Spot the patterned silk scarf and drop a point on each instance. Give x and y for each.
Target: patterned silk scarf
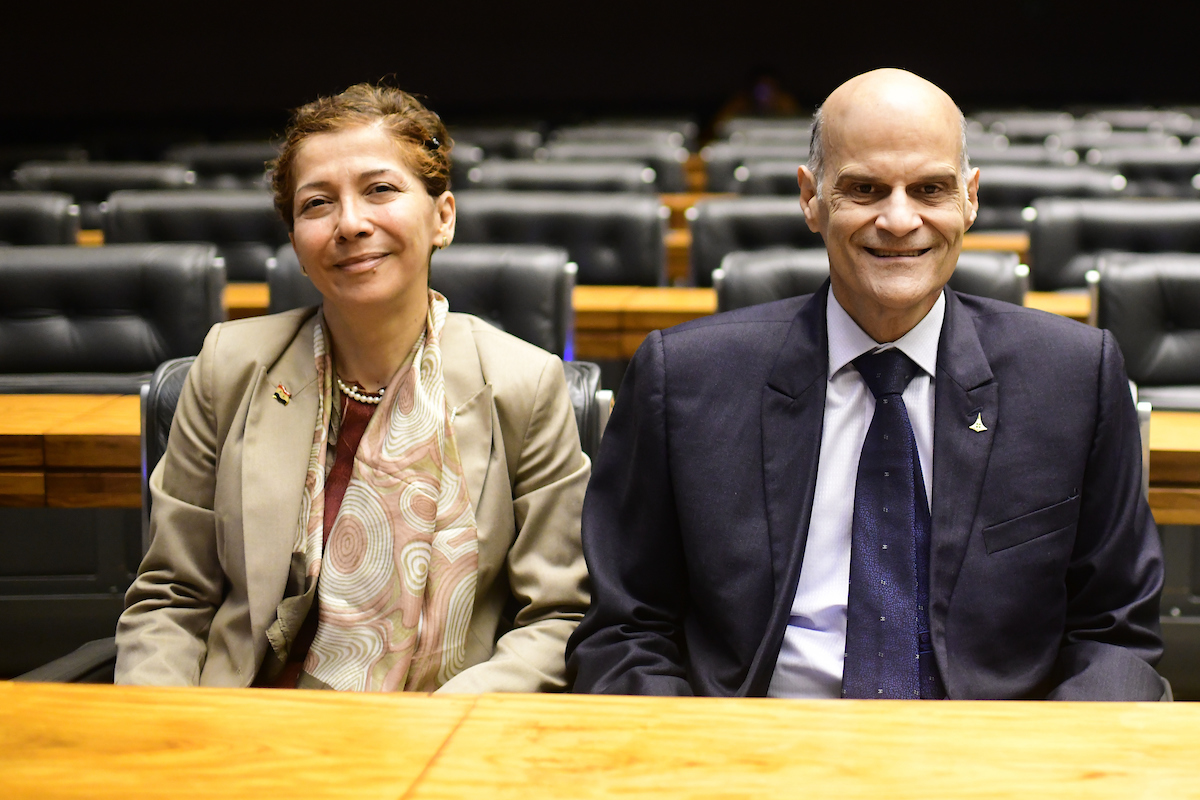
(397, 578)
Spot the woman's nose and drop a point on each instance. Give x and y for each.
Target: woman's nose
(354, 220)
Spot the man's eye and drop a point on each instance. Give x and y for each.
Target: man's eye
(863, 188)
(931, 188)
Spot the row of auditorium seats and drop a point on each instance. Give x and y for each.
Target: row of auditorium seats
(614, 238)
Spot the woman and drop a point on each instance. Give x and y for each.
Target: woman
(413, 474)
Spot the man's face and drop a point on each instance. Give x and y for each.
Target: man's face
(892, 210)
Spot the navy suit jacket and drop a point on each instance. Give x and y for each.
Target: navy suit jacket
(1045, 565)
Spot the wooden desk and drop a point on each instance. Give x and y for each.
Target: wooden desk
(118, 742)
(70, 451)
(245, 300)
(1175, 467)
(612, 321)
(1008, 241)
(1076, 305)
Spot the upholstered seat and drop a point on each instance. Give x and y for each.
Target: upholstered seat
(724, 226)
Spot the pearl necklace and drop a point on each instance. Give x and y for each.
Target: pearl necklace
(371, 400)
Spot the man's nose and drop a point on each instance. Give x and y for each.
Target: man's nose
(354, 219)
(898, 214)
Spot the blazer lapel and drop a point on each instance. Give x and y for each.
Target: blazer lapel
(278, 441)
(793, 407)
(471, 399)
(966, 415)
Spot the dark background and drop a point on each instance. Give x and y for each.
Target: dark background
(163, 71)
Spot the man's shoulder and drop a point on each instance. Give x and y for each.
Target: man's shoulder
(1004, 326)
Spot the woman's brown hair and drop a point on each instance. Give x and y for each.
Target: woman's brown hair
(419, 132)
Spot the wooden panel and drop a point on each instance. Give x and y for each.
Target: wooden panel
(124, 743)
(115, 415)
(1174, 448)
(243, 300)
(22, 489)
(1175, 506)
(679, 247)
(21, 450)
(600, 307)
(695, 170)
(35, 414)
(1075, 305)
(540, 746)
(1013, 241)
(94, 450)
(94, 489)
(631, 341)
(593, 345)
(89, 238)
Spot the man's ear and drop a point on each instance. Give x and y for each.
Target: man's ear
(972, 197)
(810, 204)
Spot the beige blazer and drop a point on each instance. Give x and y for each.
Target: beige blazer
(227, 495)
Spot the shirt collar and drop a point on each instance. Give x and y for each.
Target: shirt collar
(847, 341)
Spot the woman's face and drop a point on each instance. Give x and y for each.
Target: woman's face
(364, 224)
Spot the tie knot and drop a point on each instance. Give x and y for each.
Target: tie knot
(886, 371)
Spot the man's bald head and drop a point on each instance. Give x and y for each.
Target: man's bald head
(889, 96)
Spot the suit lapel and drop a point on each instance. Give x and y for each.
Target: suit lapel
(965, 392)
(793, 407)
(277, 444)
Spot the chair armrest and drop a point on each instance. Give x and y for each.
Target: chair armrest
(91, 663)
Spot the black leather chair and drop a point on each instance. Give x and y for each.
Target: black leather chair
(14, 155)
(760, 127)
(723, 159)
(90, 182)
(1065, 235)
(1153, 172)
(614, 238)
(1161, 120)
(242, 223)
(561, 176)
(750, 278)
(38, 218)
(100, 320)
(666, 160)
(1083, 140)
(618, 132)
(1028, 154)
(522, 289)
(1029, 126)
(499, 141)
(95, 661)
(1151, 303)
(1005, 190)
(464, 158)
(724, 226)
(768, 177)
(226, 165)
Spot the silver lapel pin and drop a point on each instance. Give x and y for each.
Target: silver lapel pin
(978, 425)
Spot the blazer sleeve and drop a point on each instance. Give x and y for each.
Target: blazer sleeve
(1111, 637)
(161, 637)
(545, 567)
(631, 641)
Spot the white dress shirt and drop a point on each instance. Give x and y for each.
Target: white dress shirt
(814, 645)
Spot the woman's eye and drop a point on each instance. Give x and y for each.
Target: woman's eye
(381, 188)
(312, 202)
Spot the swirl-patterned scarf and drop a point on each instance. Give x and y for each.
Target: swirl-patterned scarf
(397, 578)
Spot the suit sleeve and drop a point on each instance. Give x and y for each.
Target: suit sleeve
(1112, 637)
(161, 637)
(632, 641)
(546, 571)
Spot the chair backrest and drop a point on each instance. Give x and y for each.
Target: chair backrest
(562, 176)
(750, 278)
(615, 238)
(160, 396)
(617, 132)
(1005, 190)
(1065, 234)
(1029, 154)
(38, 218)
(723, 159)
(226, 165)
(92, 181)
(1151, 303)
(768, 177)
(666, 160)
(724, 226)
(242, 223)
(522, 289)
(730, 128)
(1153, 172)
(101, 319)
(499, 141)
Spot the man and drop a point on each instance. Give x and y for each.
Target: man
(885, 489)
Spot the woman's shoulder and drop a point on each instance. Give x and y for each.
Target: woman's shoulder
(257, 339)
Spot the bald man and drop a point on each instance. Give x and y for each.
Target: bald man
(882, 490)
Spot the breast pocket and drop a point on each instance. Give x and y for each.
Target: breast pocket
(1027, 527)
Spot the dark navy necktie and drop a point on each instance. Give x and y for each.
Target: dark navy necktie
(888, 649)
